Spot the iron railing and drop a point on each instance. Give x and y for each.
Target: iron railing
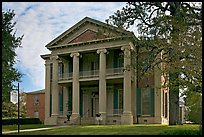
(92, 74)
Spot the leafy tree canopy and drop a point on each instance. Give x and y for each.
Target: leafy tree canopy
(173, 28)
(9, 43)
(169, 38)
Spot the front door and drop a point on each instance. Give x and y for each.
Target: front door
(95, 104)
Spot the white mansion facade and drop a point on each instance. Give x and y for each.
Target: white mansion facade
(86, 75)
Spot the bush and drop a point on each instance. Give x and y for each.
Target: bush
(181, 132)
(22, 121)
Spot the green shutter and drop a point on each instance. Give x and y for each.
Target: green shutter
(115, 59)
(115, 103)
(50, 104)
(80, 65)
(61, 100)
(152, 101)
(70, 100)
(81, 103)
(166, 106)
(70, 68)
(138, 101)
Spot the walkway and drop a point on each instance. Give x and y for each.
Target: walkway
(24, 130)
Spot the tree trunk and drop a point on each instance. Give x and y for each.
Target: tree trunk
(173, 101)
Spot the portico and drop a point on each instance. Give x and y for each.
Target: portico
(87, 73)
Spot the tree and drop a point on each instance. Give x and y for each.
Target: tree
(9, 43)
(23, 109)
(173, 29)
(194, 107)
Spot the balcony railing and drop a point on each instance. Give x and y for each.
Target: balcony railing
(92, 74)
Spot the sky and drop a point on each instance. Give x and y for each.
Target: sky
(40, 23)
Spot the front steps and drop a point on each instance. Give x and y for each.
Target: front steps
(83, 121)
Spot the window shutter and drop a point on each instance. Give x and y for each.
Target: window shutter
(70, 68)
(115, 59)
(152, 101)
(81, 103)
(115, 104)
(138, 101)
(80, 65)
(61, 100)
(70, 100)
(50, 104)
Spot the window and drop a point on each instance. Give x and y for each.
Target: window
(165, 106)
(61, 69)
(36, 100)
(36, 114)
(118, 101)
(145, 101)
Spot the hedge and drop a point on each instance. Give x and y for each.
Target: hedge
(22, 121)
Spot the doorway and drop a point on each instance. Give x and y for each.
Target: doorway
(94, 104)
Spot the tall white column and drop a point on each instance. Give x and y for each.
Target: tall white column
(127, 117)
(55, 92)
(102, 83)
(47, 92)
(75, 86)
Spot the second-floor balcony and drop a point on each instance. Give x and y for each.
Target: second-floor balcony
(92, 74)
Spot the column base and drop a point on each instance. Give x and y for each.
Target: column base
(127, 118)
(75, 119)
(51, 120)
(104, 117)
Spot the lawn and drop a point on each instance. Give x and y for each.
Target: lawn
(141, 129)
(6, 128)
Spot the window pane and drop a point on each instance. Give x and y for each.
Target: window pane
(36, 115)
(145, 101)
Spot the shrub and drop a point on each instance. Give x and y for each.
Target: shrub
(22, 121)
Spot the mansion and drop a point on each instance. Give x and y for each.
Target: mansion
(87, 76)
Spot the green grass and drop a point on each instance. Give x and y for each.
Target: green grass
(6, 128)
(141, 129)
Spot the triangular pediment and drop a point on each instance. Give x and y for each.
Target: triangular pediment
(88, 35)
(88, 30)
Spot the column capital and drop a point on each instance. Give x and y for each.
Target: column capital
(63, 60)
(123, 48)
(101, 50)
(54, 57)
(74, 54)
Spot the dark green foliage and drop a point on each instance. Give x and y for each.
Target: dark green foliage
(173, 29)
(9, 43)
(22, 121)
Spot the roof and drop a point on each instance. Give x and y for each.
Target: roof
(81, 23)
(37, 91)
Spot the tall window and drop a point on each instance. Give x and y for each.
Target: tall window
(118, 101)
(145, 101)
(165, 105)
(36, 114)
(36, 100)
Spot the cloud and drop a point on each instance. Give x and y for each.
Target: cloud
(41, 22)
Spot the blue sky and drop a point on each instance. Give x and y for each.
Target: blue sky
(40, 23)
